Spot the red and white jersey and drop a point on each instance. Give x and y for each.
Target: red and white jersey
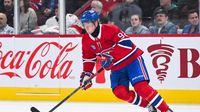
(112, 40)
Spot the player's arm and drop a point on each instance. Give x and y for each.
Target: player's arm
(89, 60)
(122, 44)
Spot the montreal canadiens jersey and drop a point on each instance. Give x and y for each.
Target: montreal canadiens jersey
(109, 40)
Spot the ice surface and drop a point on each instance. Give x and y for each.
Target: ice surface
(24, 106)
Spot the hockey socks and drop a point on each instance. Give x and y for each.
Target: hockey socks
(123, 93)
(151, 95)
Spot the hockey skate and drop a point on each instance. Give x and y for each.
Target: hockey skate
(152, 109)
(169, 110)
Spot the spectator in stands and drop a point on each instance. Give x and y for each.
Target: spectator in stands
(28, 17)
(73, 25)
(48, 7)
(35, 5)
(53, 21)
(172, 10)
(191, 4)
(73, 6)
(120, 16)
(193, 26)
(183, 11)
(98, 6)
(136, 26)
(52, 24)
(1, 4)
(147, 7)
(8, 9)
(162, 25)
(184, 7)
(4, 27)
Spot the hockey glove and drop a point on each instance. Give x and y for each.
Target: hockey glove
(84, 80)
(106, 61)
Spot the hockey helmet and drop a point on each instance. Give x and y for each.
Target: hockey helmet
(71, 19)
(89, 16)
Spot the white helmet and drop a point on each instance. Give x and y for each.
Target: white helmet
(71, 19)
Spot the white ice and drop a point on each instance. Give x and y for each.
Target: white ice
(24, 106)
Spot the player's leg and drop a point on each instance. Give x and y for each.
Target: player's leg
(139, 79)
(120, 87)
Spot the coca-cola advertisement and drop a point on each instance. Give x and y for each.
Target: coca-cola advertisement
(172, 62)
(40, 62)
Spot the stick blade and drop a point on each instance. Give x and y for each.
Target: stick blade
(33, 109)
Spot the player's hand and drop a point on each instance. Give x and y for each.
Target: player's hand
(106, 61)
(84, 80)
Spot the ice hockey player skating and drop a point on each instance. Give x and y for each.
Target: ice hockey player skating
(120, 55)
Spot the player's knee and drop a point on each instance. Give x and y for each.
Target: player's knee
(144, 89)
(123, 93)
(141, 86)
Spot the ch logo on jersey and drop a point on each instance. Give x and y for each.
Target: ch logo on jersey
(93, 47)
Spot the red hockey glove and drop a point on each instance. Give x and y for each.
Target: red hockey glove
(84, 80)
(106, 61)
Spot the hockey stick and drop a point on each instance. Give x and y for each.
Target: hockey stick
(33, 109)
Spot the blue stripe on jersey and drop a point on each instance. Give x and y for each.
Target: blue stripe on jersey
(127, 43)
(137, 100)
(157, 100)
(90, 60)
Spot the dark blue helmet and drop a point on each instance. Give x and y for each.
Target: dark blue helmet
(89, 16)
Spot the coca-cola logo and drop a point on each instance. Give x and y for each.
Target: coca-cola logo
(37, 62)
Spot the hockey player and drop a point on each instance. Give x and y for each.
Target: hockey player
(123, 58)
